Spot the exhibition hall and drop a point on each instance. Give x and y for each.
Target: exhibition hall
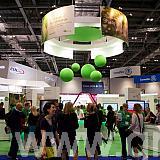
(79, 79)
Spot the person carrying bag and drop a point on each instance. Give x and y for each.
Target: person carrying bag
(50, 139)
(137, 128)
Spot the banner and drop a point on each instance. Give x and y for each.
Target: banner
(93, 87)
(147, 78)
(58, 22)
(125, 71)
(16, 71)
(114, 23)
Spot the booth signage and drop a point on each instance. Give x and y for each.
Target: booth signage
(16, 70)
(93, 87)
(147, 78)
(125, 71)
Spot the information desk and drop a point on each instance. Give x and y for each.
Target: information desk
(3, 135)
(152, 137)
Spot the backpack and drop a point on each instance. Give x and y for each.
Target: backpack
(8, 118)
(37, 132)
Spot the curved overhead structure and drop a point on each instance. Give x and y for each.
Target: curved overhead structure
(105, 35)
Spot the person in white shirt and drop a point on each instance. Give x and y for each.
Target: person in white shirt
(79, 112)
(137, 126)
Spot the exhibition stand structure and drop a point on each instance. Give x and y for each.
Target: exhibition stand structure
(21, 77)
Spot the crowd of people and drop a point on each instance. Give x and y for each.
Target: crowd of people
(57, 120)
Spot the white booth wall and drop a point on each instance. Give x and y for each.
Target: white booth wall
(151, 87)
(119, 85)
(75, 86)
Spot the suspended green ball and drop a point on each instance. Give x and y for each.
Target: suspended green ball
(100, 61)
(66, 74)
(96, 76)
(75, 67)
(86, 70)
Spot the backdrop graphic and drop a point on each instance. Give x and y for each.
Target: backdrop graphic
(58, 22)
(114, 23)
(93, 87)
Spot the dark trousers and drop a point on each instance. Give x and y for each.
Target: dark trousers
(110, 129)
(14, 147)
(123, 136)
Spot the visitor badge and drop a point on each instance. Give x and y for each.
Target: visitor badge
(126, 123)
(53, 141)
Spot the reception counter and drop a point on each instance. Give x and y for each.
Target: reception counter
(152, 137)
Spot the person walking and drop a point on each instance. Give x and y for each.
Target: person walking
(49, 144)
(123, 123)
(110, 121)
(69, 125)
(137, 126)
(16, 122)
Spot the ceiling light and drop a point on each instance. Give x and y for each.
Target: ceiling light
(120, 8)
(135, 37)
(54, 6)
(151, 19)
(156, 60)
(148, 19)
(131, 14)
(0, 16)
(41, 12)
(144, 67)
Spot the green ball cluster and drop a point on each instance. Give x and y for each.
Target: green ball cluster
(87, 71)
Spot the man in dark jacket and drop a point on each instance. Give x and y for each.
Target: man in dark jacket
(16, 124)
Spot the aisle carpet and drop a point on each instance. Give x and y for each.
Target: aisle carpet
(80, 158)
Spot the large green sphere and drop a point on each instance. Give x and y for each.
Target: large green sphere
(66, 74)
(86, 70)
(75, 67)
(96, 76)
(100, 61)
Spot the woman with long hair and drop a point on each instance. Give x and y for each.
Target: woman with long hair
(110, 121)
(91, 122)
(137, 127)
(69, 125)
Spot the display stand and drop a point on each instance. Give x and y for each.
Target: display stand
(152, 137)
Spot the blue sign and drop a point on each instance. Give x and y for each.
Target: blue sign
(93, 87)
(147, 78)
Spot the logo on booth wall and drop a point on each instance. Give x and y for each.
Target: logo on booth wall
(49, 79)
(16, 70)
(153, 78)
(128, 71)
